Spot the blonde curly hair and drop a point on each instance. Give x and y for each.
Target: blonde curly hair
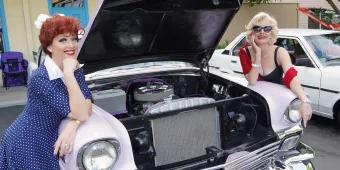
(261, 16)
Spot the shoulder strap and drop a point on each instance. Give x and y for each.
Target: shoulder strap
(275, 56)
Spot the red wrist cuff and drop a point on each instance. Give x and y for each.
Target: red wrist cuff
(289, 75)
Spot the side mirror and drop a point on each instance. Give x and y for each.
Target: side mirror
(225, 52)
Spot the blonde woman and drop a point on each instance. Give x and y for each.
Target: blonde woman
(262, 60)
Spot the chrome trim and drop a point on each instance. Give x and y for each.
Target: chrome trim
(306, 153)
(189, 165)
(293, 105)
(295, 138)
(295, 129)
(263, 157)
(115, 143)
(253, 159)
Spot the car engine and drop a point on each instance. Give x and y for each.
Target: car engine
(188, 108)
(150, 94)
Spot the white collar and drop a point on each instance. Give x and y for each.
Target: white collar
(53, 70)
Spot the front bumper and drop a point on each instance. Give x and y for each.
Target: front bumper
(295, 159)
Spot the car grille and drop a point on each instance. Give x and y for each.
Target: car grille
(184, 135)
(258, 159)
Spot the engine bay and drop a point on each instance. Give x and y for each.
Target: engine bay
(157, 109)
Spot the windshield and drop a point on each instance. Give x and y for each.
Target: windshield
(326, 47)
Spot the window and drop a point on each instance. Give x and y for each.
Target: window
(74, 8)
(326, 47)
(330, 17)
(237, 48)
(296, 52)
(67, 3)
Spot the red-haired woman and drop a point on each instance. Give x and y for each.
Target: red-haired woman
(57, 90)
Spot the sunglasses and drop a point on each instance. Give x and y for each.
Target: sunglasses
(258, 29)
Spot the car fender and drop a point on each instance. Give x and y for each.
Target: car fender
(278, 98)
(330, 90)
(335, 103)
(100, 125)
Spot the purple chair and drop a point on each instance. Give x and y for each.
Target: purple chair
(14, 69)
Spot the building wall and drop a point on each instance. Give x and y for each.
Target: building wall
(92, 4)
(313, 4)
(284, 13)
(20, 17)
(280, 9)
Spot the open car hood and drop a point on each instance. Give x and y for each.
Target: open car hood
(133, 31)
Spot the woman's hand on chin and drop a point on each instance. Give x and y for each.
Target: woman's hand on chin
(70, 65)
(256, 48)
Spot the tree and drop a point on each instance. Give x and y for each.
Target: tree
(332, 4)
(253, 2)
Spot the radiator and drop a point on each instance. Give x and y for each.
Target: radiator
(185, 135)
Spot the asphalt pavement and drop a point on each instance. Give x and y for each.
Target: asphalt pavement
(324, 137)
(321, 134)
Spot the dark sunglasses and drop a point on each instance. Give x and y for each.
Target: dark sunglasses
(266, 29)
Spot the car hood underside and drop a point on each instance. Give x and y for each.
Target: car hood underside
(126, 32)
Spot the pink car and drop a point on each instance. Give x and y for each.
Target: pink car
(157, 105)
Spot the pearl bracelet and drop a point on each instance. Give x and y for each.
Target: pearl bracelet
(255, 65)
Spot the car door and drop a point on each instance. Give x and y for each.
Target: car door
(227, 60)
(326, 48)
(308, 73)
(234, 59)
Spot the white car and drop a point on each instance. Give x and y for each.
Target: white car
(161, 107)
(316, 55)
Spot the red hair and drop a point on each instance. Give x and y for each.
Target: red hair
(54, 26)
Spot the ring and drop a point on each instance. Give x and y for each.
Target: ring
(66, 145)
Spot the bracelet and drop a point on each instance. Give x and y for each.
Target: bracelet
(76, 121)
(306, 100)
(255, 65)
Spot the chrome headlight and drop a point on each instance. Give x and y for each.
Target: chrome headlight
(292, 112)
(98, 155)
(290, 143)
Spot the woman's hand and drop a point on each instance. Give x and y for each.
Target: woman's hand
(306, 112)
(256, 48)
(64, 143)
(70, 65)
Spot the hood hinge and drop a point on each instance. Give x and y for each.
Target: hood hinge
(206, 55)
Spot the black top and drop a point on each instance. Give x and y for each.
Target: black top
(276, 75)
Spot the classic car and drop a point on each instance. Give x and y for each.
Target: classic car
(315, 54)
(157, 104)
